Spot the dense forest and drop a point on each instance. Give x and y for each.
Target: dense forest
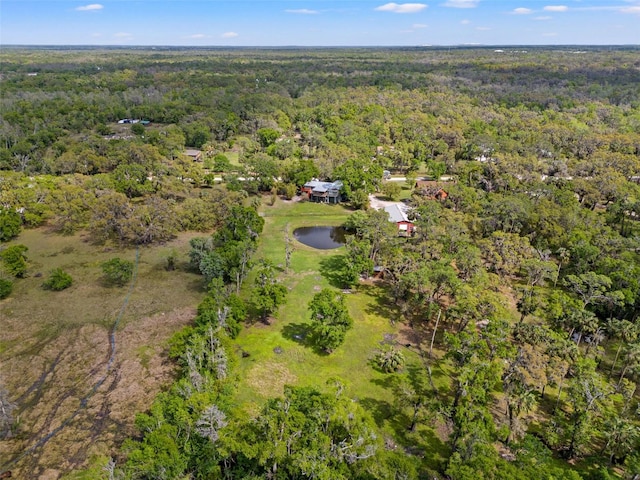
(523, 282)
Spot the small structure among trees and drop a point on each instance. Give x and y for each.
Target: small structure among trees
(193, 154)
(398, 215)
(431, 190)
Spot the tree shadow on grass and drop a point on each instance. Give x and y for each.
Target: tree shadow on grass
(383, 304)
(380, 410)
(433, 450)
(332, 268)
(298, 332)
(302, 334)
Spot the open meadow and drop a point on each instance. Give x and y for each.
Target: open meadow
(281, 354)
(55, 349)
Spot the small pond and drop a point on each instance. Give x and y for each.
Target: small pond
(322, 238)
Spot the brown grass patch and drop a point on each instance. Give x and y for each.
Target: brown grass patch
(269, 378)
(54, 349)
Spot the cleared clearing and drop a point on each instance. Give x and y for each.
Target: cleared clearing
(54, 348)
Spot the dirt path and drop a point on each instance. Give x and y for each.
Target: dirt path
(377, 204)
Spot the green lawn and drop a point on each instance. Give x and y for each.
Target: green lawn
(279, 354)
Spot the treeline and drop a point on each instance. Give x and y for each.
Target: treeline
(475, 97)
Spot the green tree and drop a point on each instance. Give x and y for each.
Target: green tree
(389, 360)
(412, 391)
(221, 163)
(589, 397)
(137, 129)
(391, 190)
(132, 180)
(477, 359)
(263, 170)
(356, 261)
(117, 271)
(330, 319)
(358, 174)
(58, 280)
(622, 437)
(15, 260)
(267, 136)
(268, 293)
(306, 434)
(300, 172)
(71, 205)
(10, 224)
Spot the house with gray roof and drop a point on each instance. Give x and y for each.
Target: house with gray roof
(323, 192)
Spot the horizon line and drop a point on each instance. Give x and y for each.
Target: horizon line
(444, 45)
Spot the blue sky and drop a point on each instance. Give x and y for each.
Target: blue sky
(319, 23)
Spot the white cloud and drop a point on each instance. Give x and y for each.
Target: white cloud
(90, 8)
(550, 34)
(522, 11)
(198, 35)
(461, 3)
(483, 29)
(303, 11)
(122, 35)
(631, 9)
(419, 25)
(542, 18)
(556, 8)
(229, 35)
(465, 22)
(401, 7)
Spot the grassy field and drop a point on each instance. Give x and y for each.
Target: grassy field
(54, 348)
(279, 354)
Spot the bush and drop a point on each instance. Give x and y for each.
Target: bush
(137, 129)
(221, 163)
(58, 280)
(117, 271)
(6, 287)
(10, 223)
(15, 260)
(390, 360)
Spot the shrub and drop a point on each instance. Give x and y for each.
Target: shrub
(58, 280)
(15, 260)
(10, 223)
(6, 287)
(390, 360)
(117, 271)
(221, 163)
(137, 129)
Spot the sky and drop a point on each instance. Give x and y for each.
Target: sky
(319, 23)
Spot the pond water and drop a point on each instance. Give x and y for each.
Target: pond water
(322, 238)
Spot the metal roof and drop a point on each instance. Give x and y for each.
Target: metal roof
(396, 214)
